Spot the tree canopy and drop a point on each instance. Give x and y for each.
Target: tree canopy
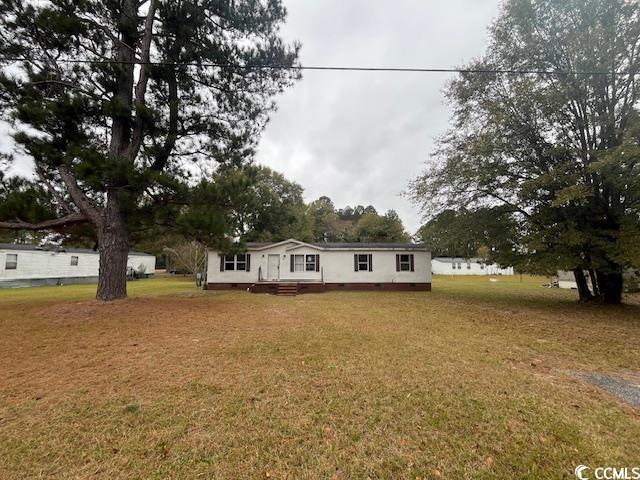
(488, 233)
(560, 151)
(249, 203)
(119, 103)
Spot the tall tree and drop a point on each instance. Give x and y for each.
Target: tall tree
(326, 224)
(559, 150)
(372, 227)
(250, 203)
(465, 233)
(114, 99)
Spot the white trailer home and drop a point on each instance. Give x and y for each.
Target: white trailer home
(292, 267)
(567, 280)
(466, 266)
(28, 265)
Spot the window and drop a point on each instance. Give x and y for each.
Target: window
(240, 263)
(459, 265)
(405, 263)
(363, 263)
(482, 266)
(310, 263)
(468, 265)
(229, 262)
(298, 263)
(305, 263)
(12, 261)
(74, 261)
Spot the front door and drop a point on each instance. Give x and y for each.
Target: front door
(273, 268)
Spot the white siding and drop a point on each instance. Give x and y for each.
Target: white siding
(339, 268)
(567, 280)
(35, 264)
(142, 263)
(441, 266)
(43, 264)
(336, 266)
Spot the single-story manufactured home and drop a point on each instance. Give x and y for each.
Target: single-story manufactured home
(466, 266)
(292, 267)
(23, 265)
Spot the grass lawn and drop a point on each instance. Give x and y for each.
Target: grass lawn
(473, 380)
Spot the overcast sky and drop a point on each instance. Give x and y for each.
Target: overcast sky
(360, 137)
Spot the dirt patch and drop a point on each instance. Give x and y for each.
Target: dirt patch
(95, 310)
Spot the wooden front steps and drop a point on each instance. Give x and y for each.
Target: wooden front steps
(287, 289)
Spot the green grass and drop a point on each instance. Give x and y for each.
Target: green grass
(159, 286)
(472, 380)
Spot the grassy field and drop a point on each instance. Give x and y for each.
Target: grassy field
(473, 380)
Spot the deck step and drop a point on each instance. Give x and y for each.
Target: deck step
(287, 289)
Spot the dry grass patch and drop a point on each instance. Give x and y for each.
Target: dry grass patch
(471, 380)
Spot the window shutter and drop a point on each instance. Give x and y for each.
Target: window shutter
(412, 264)
(397, 263)
(222, 263)
(370, 262)
(317, 263)
(355, 262)
(292, 260)
(248, 262)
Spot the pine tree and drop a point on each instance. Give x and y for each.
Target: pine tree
(116, 101)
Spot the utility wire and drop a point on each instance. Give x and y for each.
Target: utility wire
(231, 66)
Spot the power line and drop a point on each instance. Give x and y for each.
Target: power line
(230, 66)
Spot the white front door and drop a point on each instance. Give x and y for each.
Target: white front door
(273, 267)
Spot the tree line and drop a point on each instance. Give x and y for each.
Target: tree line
(248, 203)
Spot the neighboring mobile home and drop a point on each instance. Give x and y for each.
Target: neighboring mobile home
(28, 265)
(294, 267)
(567, 280)
(466, 266)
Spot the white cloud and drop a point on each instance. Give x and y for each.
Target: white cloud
(360, 137)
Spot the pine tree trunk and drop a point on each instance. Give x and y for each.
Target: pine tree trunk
(113, 246)
(611, 286)
(583, 286)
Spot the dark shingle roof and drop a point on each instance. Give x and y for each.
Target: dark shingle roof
(352, 245)
(259, 244)
(406, 246)
(54, 248)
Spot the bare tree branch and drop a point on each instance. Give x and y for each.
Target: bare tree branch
(84, 203)
(70, 219)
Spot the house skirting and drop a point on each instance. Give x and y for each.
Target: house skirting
(43, 282)
(311, 287)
